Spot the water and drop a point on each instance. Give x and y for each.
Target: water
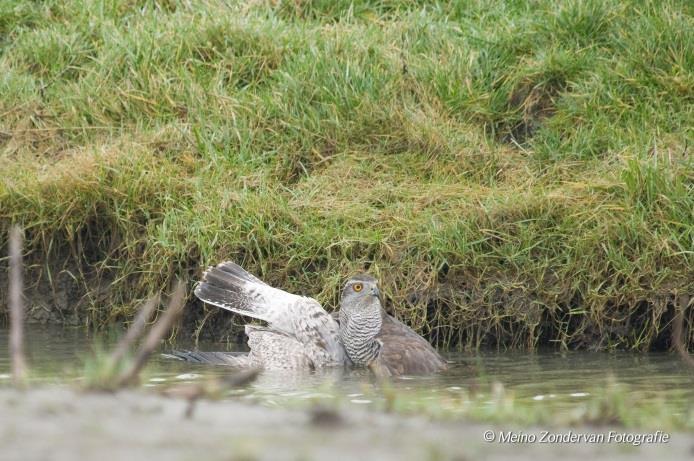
(556, 382)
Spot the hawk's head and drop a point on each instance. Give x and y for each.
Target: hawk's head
(361, 294)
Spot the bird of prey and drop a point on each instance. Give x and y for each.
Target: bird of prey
(374, 339)
(300, 334)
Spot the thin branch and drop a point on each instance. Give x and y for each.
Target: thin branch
(155, 335)
(214, 388)
(57, 128)
(135, 331)
(16, 302)
(678, 328)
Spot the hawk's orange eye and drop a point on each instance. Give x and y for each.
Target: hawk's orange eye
(357, 287)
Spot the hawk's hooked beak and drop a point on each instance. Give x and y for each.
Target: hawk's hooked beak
(375, 292)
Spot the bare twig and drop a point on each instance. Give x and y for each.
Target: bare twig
(241, 378)
(135, 331)
(212, 389)
(19, 367)
(58, 128)
(677, 330)
(155, 335)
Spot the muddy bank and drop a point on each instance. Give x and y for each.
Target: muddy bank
(69, 294)
(61, 292)
(61, 424)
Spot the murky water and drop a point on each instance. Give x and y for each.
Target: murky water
(558, 382)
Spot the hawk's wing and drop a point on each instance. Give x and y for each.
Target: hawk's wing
(230, 287)
(404, 352)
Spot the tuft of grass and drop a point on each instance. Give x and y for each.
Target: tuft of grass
(612, 405)
(609, 403)
(516, 175)
(99, 371)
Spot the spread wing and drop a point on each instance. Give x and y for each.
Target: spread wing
(404, 352)
(230, 287)
(233, 359)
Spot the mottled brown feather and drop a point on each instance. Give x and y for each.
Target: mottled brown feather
(404, 352)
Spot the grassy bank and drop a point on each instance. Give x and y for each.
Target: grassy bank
(517, 174)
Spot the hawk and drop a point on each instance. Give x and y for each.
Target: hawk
(300, 334)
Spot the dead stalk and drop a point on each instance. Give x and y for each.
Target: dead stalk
(155, 335)
(193, 393)
(678, 329)
(135, 331)
(16, 302)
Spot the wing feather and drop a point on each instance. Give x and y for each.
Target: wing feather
(404, 352)
(230, 287)
(232, 359)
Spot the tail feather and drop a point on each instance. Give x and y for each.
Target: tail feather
(230, 287)
(223, 279)
(235, 299)
(212, 358)
(234, 269)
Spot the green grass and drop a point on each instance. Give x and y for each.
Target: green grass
(610, 404)
(516, 174)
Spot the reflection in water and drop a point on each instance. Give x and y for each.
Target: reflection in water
(555, 380)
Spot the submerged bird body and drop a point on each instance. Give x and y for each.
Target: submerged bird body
(300, 334)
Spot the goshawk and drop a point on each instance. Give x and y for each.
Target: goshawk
(300, 334)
